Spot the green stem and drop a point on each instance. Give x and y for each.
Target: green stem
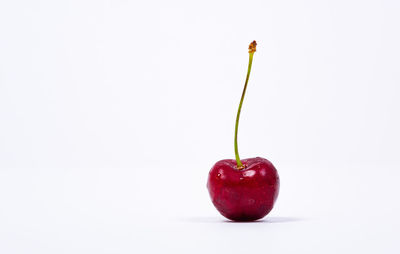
(239, 163)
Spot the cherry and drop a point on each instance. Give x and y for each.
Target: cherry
(243, 190)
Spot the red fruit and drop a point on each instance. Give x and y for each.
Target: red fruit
(243, 195)
(243, 190)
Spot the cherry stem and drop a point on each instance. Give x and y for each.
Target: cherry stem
(252, 49)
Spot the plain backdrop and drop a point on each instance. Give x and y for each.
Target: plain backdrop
(113, 112)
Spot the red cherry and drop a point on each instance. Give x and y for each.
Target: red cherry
(243, 195)
(243, 190)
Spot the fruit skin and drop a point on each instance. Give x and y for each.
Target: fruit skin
(243, 195)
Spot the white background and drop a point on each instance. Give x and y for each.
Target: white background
(113, 112)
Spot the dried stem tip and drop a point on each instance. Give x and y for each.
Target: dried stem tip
(252, 47)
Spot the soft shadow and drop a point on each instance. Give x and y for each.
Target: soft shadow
(282, 219)
(223, 220)
(271, 220)
(202, 219)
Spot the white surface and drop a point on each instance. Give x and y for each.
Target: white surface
(161, 209)
(112, 113)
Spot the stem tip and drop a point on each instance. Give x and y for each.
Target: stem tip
(252, 47)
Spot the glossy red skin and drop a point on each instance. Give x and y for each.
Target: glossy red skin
(243, 195)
